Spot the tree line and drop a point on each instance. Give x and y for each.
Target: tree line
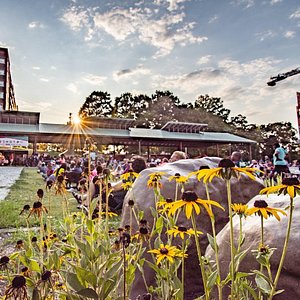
(163, 106)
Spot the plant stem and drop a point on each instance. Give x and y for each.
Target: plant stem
(285, 246)
(232, 268)
(200, 258)
(212, 220)
(182, 268)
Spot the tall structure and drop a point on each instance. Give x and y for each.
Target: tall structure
(7, 96)
(298, 111)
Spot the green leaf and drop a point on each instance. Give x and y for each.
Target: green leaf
(89, 293)
(211, 281)
(246, 286)
(34, 266)
(90, 226)
(159, 225)
(73, 281)
(211, 242)
(263, 284)
(241, 275)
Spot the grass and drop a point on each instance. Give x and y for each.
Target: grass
(24, 192)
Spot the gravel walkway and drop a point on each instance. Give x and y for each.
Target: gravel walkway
(8, 176)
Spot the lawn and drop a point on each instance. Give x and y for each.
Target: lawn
(23, 192)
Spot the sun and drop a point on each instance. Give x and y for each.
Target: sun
(76, 120)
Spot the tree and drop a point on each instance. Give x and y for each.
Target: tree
(129, 106)
(212, 105)
(97, 104)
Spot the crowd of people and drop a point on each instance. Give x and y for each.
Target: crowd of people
(86, 177)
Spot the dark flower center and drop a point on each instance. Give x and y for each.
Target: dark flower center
(169, 200)
(34, 239)
(127, 227)
(177, 175)
(189, 196)
(143, 222)
(18, 282)
(46, 275)
(25, 269)
(60, 178)
(164, 251)
(260, 204)
(40, 193)
(4, 260)
(182, 229)
(226, 163)
(143, 230)
(37, 204)
(19, 242)
(26, 207)
(290, 181)
(204, 167)
(131, 203)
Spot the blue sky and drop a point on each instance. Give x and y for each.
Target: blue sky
(62, 50)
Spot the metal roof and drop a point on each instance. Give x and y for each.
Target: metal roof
(134, 133)
(184, 127)
(221, 137)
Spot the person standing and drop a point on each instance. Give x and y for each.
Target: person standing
(280, 164)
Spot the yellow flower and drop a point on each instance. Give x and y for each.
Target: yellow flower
(239, 209)
(226, 169)
(154, 183)
(166, 252)
(178, 178)
(180, 230)
(289, 186)
(129, 175)
(109, 214)
(37, 209)
(165, 204)
(262, 209)
(127, 185)
(157, 175)
(191, 202)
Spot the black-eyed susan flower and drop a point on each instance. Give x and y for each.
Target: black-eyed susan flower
(154, 183)
(157, 175)
(40, 193)
(34, 239)
(125, 239)
(26, 207)
(37, 209)
(4, 260)
(226, 169)
(182, 231)
(46, 276)
(17, 289)
(130, 175)
(166, 252)
(239, 209)
(25, 272)
(110, 214)
(262, 209)
(290, 186)
(178, 178)
(19, 244)
(130, 203)
(191, 202)
(165, 205)
(60, 185)
(127, 185)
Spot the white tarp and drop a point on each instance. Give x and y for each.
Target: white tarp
(14, 141)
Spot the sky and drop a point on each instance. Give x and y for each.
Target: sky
(63, 50)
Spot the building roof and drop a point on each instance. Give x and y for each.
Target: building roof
(131, 133)
(184, 127)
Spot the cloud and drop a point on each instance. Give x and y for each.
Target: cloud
(130, 73)
(174, 4)
(204, 59)
(72, 88)
(36, 68)
(295, 14)
(289, 34)
(272, 2)
(94, 79)
(265, 35)
(44, 79)
(35, 24)
(160, 30)
(76, 18)
(245, 3)
(213, 19)
(33, 106)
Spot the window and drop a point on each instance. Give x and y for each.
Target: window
(2, 60)
(1, 95)
(1, 83)
(1, 72)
